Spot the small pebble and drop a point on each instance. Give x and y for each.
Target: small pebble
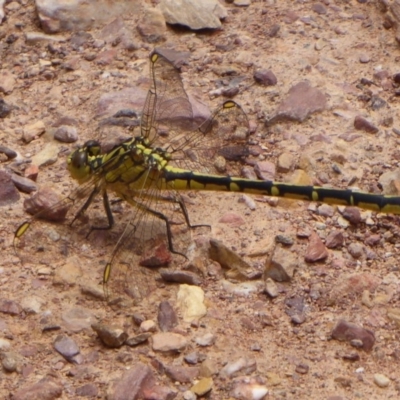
(381, 380)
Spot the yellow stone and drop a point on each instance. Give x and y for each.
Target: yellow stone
(202, 387)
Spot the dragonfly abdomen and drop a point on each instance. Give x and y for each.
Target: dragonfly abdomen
(180, 179)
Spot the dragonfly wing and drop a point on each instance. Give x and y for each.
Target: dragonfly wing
(167, 101)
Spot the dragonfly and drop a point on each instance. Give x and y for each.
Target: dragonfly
(150, 171)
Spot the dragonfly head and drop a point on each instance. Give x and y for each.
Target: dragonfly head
(82, 162)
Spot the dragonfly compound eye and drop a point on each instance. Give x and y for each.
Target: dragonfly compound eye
(79, 159)
(79, 164)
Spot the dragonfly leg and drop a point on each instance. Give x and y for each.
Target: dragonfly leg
(185, 213)
(107, 208)
(110, 218)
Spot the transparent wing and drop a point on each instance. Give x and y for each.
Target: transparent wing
(56, 224)
(157, 227)
(167, 120)
(167, 101)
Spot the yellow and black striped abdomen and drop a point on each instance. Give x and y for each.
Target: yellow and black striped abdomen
(187, 180)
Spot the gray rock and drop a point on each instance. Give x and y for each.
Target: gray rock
(77, 318)
(346, 331)
(67, 347)
(194, 14)
(5, 109)
(296, 309)
(265, 77)
(66, 134)
(24, 184)
(166, 317)
(10, 154)
(111, 336)
(8, 192)
(179, 276)
(138, 339)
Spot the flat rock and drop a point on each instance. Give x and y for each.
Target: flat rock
(193, 14)
(33, 131)
(180, 276)
(132, 383)
(47, 156)
(66, 346)
(202, 387)
(38, 37)
(169, 342)
(190, 300)
(182, 374)
(137, 339)
(166, 318)
(45, 389)
(77, 318)
(24, 184)
(301, 101)
(236, 267)
(74, 15)
(8, 192)
(44, 200)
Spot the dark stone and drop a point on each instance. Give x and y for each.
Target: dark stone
(8, 192)
(265, 77)
(360, 123)
(346, 331)
(166, 317)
